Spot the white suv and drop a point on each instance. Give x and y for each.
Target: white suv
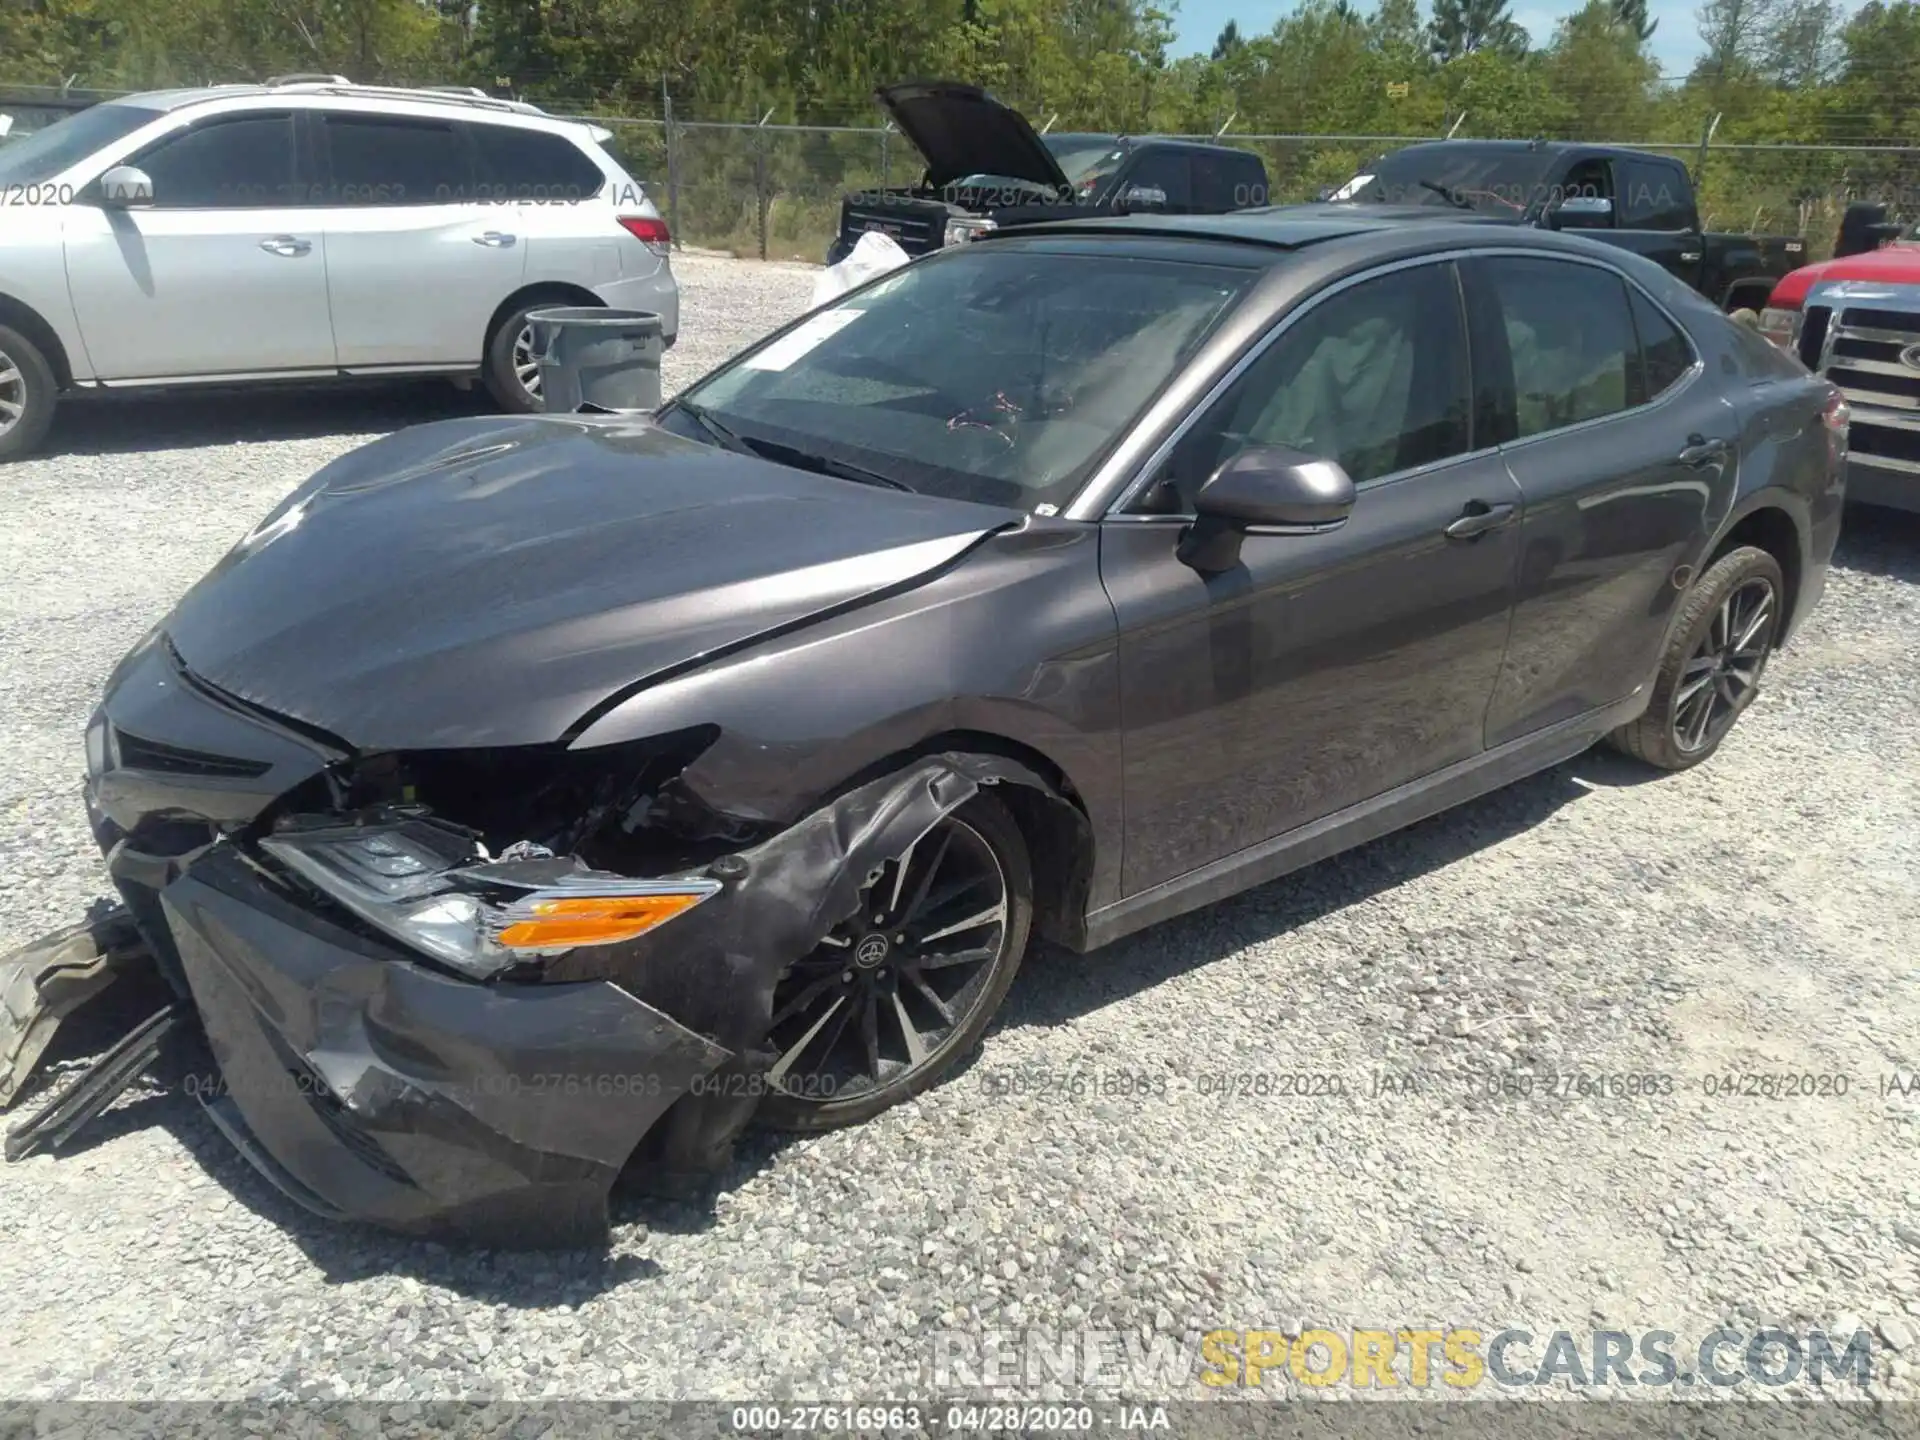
(302, 229)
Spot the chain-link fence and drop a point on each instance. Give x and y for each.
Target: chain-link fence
(774, 191)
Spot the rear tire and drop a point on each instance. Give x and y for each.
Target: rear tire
(1710, 671)
(842, 1016)
(509, 371)
(28, 394)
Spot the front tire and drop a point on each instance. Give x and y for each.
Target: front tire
(28, 394)
(890, 1001)
(1710, 671)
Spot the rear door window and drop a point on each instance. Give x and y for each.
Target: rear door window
(386, 160)
(1570, 335)
(1166, 171)
(521, 164)
(1652, 195)
(1227, 180)
(1665, 352)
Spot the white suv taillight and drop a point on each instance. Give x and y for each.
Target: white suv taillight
(1777, 325)
(650, 231)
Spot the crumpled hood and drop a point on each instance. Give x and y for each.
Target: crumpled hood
(489, 582)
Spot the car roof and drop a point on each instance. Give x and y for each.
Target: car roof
(1130, 142)
(1529, 147)
(1280, 227)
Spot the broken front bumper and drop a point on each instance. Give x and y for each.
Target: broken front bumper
(367, 1086)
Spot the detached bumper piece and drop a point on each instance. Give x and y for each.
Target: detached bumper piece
(45, 982)
(99, 1086)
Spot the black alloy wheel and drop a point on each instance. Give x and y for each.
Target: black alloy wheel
(1724, 670)
(892, 998)
(1710, 672)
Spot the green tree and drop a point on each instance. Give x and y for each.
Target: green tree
(1462, 27)
(1631, 16)
(1600, 75)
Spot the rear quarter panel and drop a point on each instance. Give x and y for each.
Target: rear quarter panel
(1786, 462)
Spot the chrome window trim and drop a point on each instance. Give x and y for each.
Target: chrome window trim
(1133, 485)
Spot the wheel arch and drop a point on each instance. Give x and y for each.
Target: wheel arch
(558, 291)
(1059, 833)
(1769, 525)
(18, 315)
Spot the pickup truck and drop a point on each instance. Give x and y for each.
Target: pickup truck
(1636, 199)
(1855, 319)
(988, 169)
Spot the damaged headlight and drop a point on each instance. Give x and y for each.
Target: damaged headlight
(432, 887)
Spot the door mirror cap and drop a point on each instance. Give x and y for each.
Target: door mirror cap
(1581, 212)
(1275, 488)
(1264, 490)
(125, 188)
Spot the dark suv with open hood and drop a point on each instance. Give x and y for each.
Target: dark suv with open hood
(988, 169)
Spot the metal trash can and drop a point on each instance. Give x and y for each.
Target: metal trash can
(591, 356)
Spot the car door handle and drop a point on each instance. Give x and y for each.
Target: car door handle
(290, 246)
(1479, 518)
(494, 239)
(1701, 451)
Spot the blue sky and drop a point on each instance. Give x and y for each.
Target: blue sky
(1675, 44)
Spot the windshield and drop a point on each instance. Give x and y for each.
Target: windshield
(1085, 160)
(45, 153)
(998, 373)
(1465, 177)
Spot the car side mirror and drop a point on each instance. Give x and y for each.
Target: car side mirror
(1263, 490)
(125, 188)
(1143, 197)
(1581, 212)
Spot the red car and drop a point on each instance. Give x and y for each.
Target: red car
(1856, 320)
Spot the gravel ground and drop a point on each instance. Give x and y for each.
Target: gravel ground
(1756, 915)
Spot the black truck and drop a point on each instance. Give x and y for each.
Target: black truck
(1636, 199)
(987, 169)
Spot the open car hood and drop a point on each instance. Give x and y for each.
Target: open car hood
(491, 582)
(962, 131)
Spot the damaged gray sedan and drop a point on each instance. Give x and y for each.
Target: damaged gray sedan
(526, 802)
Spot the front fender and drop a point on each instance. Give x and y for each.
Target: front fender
(1017, 643)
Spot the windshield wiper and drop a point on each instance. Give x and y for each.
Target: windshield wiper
(733, 440)
(827, 465)
(1459, 202)
(722, 436)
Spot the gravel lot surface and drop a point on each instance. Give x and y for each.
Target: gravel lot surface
(1757, 915)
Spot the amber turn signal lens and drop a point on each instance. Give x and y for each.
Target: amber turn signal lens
(593, 919)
